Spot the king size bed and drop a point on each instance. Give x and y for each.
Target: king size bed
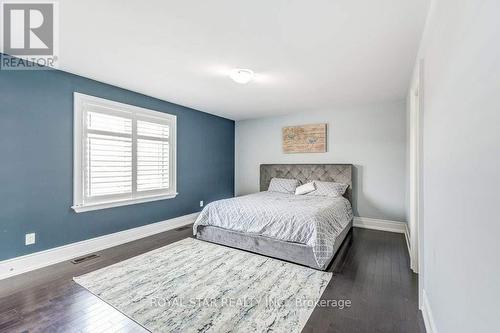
(304, 229)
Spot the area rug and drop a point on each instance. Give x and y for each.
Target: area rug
(195, 286)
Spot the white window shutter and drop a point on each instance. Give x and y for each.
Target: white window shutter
(153, 152)
(109, 165)
(123, 154)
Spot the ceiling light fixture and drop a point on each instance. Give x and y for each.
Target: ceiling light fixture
(242, 76)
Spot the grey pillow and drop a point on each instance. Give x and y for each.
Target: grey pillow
(283, 185)
(329, 189)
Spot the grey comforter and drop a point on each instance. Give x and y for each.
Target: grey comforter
(314, 221)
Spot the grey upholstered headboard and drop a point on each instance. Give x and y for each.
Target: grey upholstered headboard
(339, 173)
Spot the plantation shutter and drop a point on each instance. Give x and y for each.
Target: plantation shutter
(153, 152)
(122, 153)
(108, 167)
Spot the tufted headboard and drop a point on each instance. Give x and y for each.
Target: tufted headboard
(339, 173)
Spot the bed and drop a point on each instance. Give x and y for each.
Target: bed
(303, 229)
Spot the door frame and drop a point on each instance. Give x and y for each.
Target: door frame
(416, 221)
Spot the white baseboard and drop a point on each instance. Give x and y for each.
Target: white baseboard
(407, 238)
(408, 246)
(430, 326)
(377, 224)
(41, 259)
(413, 264)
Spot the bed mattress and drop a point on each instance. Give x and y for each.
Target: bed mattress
(305, 229)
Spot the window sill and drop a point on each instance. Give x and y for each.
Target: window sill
(104, 205)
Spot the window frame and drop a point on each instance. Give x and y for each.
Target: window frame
(81, 203)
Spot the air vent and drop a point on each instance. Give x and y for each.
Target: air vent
(85, 258)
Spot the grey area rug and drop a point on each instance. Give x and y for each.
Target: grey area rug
(195, 286)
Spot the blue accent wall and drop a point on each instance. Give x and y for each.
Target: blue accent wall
(36, 162)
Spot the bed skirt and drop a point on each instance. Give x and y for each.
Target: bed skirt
(293, 252)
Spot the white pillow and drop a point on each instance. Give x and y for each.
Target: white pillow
(283, 185)
(306, 188)
(329, 189)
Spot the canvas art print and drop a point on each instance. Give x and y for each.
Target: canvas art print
(304, 139)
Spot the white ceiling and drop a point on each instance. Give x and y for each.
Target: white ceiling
(307, 54)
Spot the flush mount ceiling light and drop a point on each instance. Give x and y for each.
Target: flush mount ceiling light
(242, 76)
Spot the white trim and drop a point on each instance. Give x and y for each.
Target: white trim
(408, 246)
(82, 203)
(415, 165)
(378, 224)
(49, 257)
(430, 325)
(111, 204)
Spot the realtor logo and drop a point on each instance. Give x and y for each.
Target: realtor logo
(29, 34)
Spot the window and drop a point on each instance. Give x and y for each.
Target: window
(123, 154)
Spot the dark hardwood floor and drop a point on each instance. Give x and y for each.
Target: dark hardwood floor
(371, 271)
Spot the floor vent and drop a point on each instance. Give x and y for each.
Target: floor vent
(182, 228)
(83, 259)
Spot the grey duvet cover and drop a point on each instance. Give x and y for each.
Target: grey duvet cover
(314, 221)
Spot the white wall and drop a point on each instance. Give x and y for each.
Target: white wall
(461, 52)
(373, 138)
